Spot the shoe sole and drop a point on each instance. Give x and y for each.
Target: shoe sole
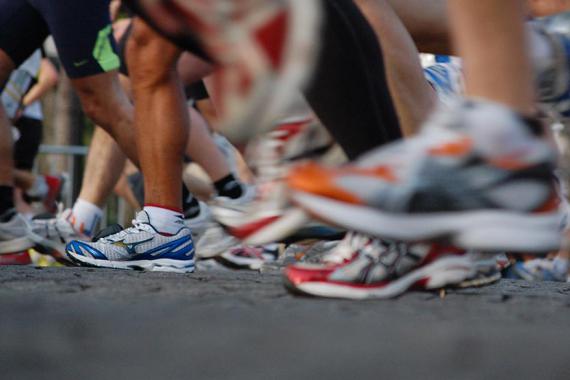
(439, 274)
(485, 230)
(158, 265)
(300, 58)
(288, 224)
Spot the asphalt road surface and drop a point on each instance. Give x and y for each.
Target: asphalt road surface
(77, 323)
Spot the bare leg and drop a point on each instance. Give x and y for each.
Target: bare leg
(203, 150)
(104, 166)
(427, 22)
(161, 115)
(105, 102)
(6, 160)
(413, 97)
(490, 28)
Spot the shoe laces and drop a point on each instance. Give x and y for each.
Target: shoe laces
(353, 242)
(137, 227)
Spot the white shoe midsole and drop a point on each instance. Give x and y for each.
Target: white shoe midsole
(158, 265)
(485, 230)
(445, 271)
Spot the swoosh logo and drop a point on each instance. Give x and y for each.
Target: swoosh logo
(80, 63)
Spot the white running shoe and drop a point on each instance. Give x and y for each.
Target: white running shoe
(55, 233)
(139, 247)
(270, 217)
(15, 233)
(209, 237)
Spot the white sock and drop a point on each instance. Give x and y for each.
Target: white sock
(85, 217)
(164, 220)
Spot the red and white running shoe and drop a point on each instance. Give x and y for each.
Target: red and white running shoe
(378, 270)
(265, 49)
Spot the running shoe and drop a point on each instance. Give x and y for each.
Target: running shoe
(476, 175)
(139, 247)
(446, 79)
(15, 233)
(378, 270)
(316, 266)
(248, 257)
(270, 217)
(54, 233)
(16, 258)
(541, 269)
(209, 237)
(265, 49)
(487, 270)
(553, 72)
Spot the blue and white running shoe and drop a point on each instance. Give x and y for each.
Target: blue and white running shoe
(446, 78)
(554, 72)
(139, 247)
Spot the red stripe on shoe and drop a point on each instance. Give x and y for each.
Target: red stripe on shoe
(246, 230)
(272, 37)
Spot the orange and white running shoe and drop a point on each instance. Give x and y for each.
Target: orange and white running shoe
(477, 175)
(265, 49)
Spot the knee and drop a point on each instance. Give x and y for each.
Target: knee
(151, 58)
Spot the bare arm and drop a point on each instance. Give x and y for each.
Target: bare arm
(47, 80)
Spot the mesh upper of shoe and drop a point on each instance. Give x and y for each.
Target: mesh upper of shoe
(141, 238)
(469, 136)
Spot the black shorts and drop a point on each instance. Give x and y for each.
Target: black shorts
(81, 30)
(27, 147)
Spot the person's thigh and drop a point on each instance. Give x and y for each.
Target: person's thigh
(83, 35)
(22, 31)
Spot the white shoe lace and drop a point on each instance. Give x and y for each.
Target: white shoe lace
(137, 227)
(351, 243)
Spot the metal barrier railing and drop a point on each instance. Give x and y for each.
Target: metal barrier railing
(68, 196)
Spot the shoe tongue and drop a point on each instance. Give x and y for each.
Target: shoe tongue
(143, 217)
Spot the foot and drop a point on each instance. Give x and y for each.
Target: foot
(139, 247)
(541, 270)
(476, 175)
(372, 268)
(15, 233)
(248, 257)
(54, 233)
(269, 216)
(210, 238)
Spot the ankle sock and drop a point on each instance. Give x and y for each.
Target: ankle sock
(85, 217)
(6, 198)
(191, 207)
(229, 187)
(166, 221)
